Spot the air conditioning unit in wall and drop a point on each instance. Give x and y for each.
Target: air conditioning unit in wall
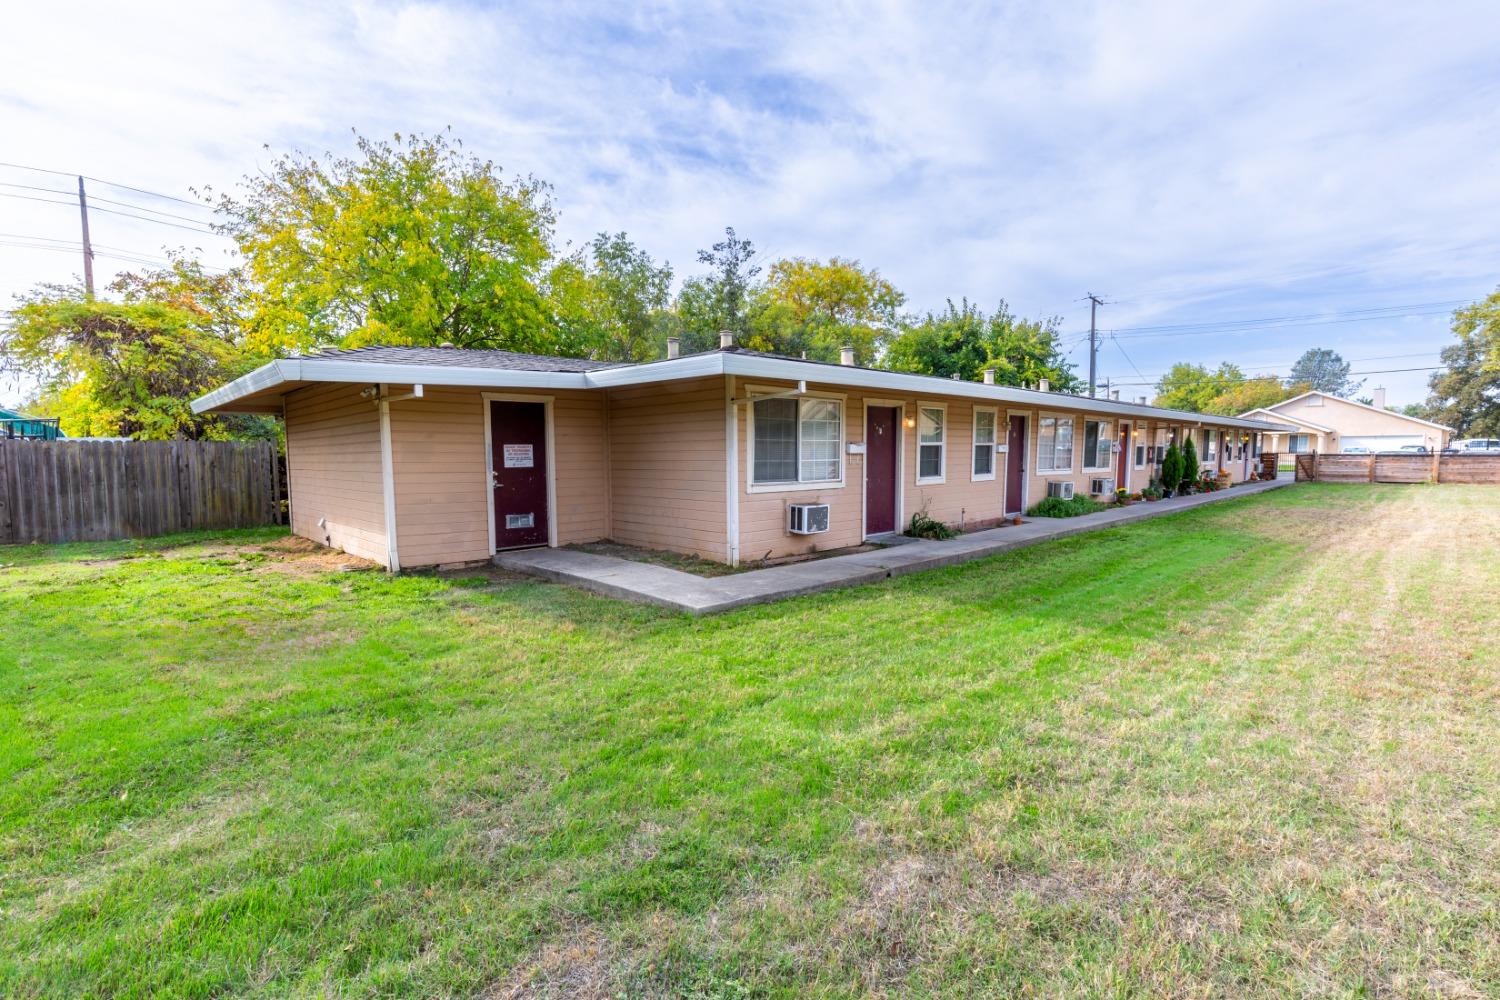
(806, 518)
(1061, 489)
(1099, 487)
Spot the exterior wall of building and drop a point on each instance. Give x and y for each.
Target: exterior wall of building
(333, 469)
(667, 467)
(441, 471)
(1352, 420)
(958, 499)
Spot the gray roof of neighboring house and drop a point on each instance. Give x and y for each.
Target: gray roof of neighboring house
(461, 357)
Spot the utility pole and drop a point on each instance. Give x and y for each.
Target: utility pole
(1094, 303)
(88, 248)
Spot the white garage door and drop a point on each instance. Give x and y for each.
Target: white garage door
(1380, 442)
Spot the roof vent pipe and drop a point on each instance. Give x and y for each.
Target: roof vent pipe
(846, 356)
(726, 339)
(674, 348)
(989, 376)
(1141, 400)
(1115, 395)
(1044, 385)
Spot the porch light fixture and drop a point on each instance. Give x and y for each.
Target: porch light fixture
(911, 421)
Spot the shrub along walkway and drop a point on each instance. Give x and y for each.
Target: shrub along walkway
(673, 588)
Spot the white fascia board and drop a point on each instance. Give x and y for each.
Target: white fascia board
(265, 377)
(691, 366)
(330, 370)
(926, 385)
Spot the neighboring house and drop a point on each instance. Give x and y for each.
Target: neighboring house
(422, 456)
(1330, 424)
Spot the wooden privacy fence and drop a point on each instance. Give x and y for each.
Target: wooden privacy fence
(1398, 467)
(70, 491)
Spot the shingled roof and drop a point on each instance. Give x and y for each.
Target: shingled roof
(462, 358)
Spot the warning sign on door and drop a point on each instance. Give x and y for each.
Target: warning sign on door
(518, 456)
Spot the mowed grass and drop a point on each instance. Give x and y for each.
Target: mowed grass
(1248, 750)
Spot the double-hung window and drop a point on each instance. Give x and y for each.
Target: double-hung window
(1210, 445)
(932, 443)
(1054, 444)
(984, 443)
(1096, 443)
(798, 441)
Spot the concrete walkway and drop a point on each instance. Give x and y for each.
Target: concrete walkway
(673, 588)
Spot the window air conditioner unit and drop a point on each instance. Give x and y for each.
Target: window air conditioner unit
(1099, 487)
(1061, 489)
(806, 518)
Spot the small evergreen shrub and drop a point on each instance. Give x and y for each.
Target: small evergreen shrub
(1058, 507)
(1171, 467)
(1191, 469)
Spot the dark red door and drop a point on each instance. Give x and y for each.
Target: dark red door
(1015, 466)
(518, 453)
(882, 441)
(1122, 463)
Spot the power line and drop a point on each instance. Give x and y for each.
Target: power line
(113, 211)
(1373, 314)
(100, 180)
(1283, 378)
(110, 201)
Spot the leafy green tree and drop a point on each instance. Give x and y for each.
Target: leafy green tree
(1466, 394)
(1194, 387)
(718, 300)
(1253, 394)
(131, 368)
(1325, 371)
(1171, 467)
(962, 340)
(816, 307)
(409, 242)
(608, 299)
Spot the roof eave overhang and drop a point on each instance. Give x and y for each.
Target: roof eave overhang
(294, 371)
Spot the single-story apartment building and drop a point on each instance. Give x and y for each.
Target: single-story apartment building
(1330, 424)
(421, 456)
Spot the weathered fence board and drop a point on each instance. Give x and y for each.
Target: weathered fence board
(66, 491)
(1392, 467)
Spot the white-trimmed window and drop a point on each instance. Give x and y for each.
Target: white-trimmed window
(986, 423)
(1097, 435)
(1210, 445)
(1298, 444)
(932, 443)
(797, 441)
(1054, 444)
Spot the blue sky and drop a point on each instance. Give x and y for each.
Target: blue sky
(1196, 165)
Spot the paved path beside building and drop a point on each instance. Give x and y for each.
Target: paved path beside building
(681, 591)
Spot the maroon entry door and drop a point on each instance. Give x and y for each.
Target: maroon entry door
(1015, 465)
(882, 441)
(518, 473)
(1122, 464)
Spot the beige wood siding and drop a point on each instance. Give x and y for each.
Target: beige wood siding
(438, 452)
(333, 469)
(959, 499)
(667, 467)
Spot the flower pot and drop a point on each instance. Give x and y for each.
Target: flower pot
(1015, 520)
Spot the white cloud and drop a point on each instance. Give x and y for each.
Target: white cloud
(1193, 162)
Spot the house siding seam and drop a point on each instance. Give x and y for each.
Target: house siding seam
(667, 466)
(334, 469)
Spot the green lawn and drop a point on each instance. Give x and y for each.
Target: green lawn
(1248, 750)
